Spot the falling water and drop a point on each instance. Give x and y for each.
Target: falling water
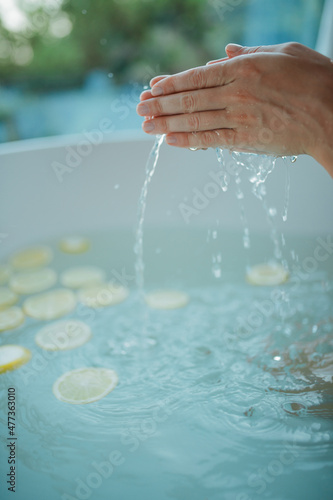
(287, 188)
(138, 247)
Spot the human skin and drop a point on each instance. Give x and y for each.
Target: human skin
(275, 100)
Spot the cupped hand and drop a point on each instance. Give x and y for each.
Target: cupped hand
(273, 99)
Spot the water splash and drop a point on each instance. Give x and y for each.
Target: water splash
(286, 190)
(222, 162)
(138, 247)
(240, 197)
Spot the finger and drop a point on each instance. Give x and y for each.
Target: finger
(193, 122)
(207, 139)
(290, 48)
(157, 79)
(217, 61)
(233, 49)
(146, 94)
(196, 78)
(184, 102)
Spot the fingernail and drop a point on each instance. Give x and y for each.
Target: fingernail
(143, 109)
(156, 91)
(233, 47)
(148, 126)
(172, 139)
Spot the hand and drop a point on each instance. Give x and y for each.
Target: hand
(274, 100)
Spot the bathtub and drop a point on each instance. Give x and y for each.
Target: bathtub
(55, 187)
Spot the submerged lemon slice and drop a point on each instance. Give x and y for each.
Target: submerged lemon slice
(7, 297)
(31, 257)
(103, 295)
(74, 244)
(50, 305)
(85, 385)
(267, 275)
(63, 335)
(11, 318)
(33, 281)
(167, 299)
(78, 277)
(12, 357)
(5, 273)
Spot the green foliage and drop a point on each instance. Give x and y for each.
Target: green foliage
(133, 39)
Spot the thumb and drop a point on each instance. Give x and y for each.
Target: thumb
(233, 49)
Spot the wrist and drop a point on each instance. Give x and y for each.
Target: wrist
(322, 146)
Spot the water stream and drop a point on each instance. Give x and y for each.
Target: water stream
(138, 248)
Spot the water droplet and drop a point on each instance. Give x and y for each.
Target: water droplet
(239, 195)
(110, 75)
(158, 251)
(214, 234)
(193, 149)
(216, 271)
(283, 240)
(246, 241)
(116, 186)
(293, 159)
(272, 211)
(84, 11)
(277, 358)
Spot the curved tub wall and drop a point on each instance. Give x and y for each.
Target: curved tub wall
(102, 191)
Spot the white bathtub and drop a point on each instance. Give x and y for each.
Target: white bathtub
(41, 199)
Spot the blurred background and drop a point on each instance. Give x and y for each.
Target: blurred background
(68, 66)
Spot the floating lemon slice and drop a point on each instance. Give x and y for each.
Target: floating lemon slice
(267, 275)
(85, 385)
(74, 244)
(167, 299)
(7, 297)
(11, 318)
(5, 273)
(31, 257)
(78, 277)
(50, 305)
(63, 335)
(103, 295)
(33, 281)
(12, 357)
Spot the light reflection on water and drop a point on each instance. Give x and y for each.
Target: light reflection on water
(202, 404)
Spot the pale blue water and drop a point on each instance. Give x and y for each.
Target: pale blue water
(227, 398)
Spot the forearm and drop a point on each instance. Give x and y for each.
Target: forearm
(323, 150)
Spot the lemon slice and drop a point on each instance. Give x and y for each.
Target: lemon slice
(85, 385)
(74, 244)
(267, 275)
(106, 294)
(167, 299)
(63, 335)
(7, 297)
(11, 318)
(78, 277)
(33, 281)
(12, 357)
(50, 305)
(5, 273)
(31, 257)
